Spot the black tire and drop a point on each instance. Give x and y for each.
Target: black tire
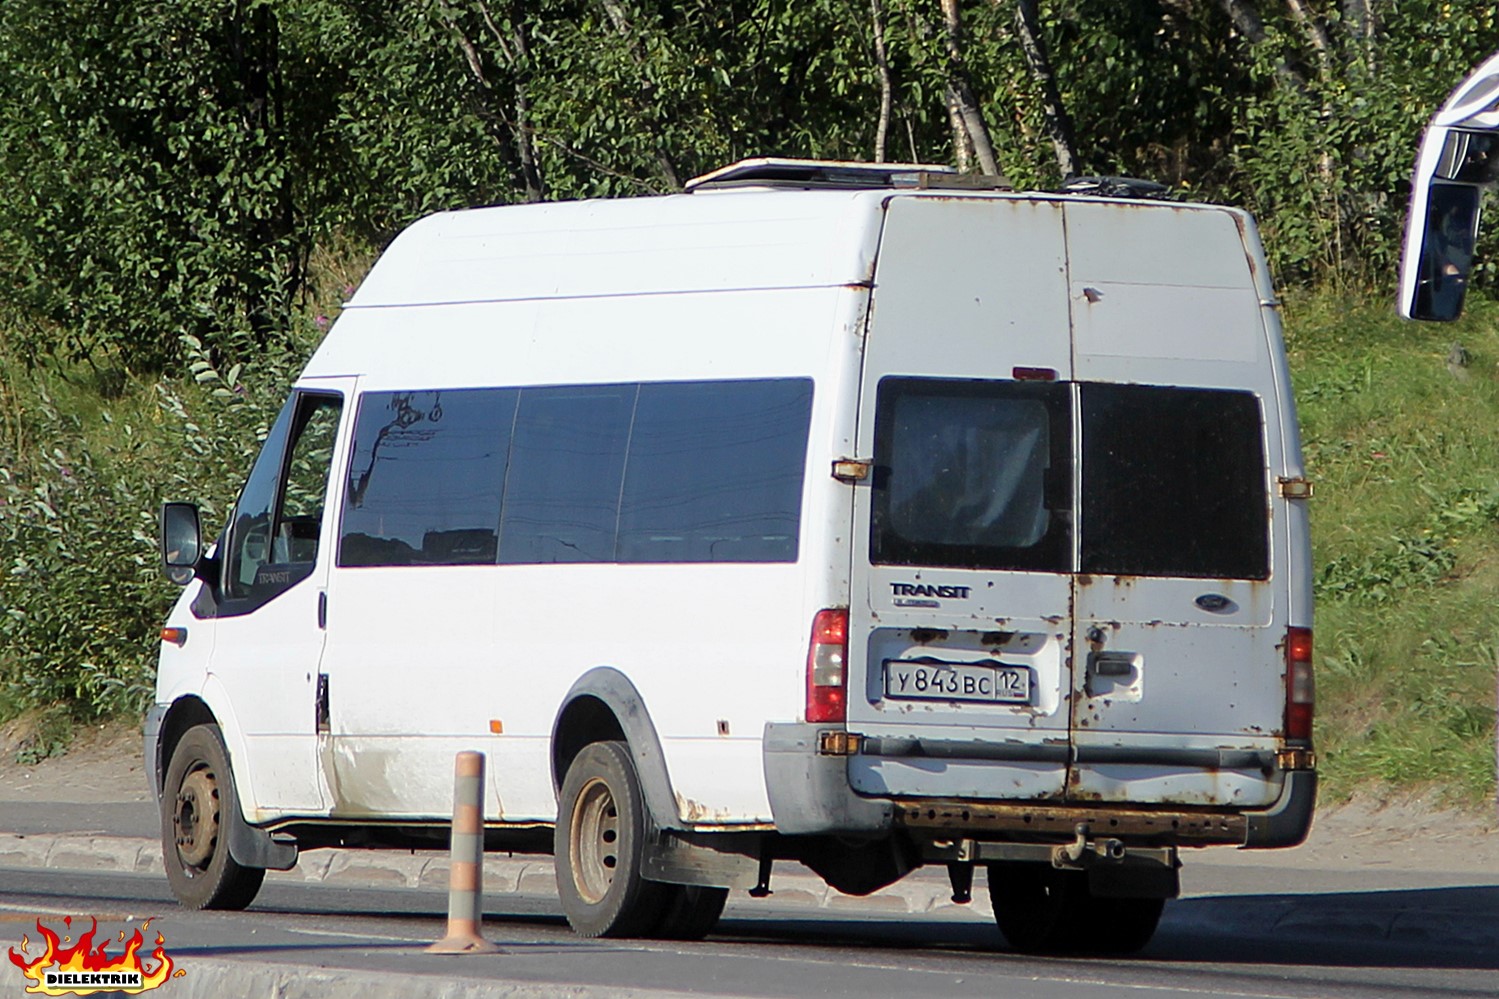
(599, 842)
(1043, 910)
(691, 912)
(196, 799)
(1120, 926)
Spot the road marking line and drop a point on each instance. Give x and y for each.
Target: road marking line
(414, 941)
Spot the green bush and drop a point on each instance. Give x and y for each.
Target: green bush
(82, 596)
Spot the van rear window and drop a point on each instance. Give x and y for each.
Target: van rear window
(639, 472)
(972, 474)
(1173, 483)
(978, 474)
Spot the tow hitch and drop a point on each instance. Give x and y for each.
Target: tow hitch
(1082, 851)
(1114, 869)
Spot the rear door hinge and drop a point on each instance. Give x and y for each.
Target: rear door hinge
(852, 470)
(1297, 487)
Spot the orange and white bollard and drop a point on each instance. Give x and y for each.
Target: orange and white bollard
(466, 868)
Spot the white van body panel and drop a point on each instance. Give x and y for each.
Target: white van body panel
(842, 289)
(642, 246)
(488, 660)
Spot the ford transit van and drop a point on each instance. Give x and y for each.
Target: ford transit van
(857, 515)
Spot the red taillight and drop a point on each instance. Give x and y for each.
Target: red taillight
(827, 667)
(1301, 686)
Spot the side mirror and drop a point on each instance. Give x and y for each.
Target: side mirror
(1443, 224)
(1458, 160)
(181, 542)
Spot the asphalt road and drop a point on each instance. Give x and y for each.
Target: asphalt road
(318, 939)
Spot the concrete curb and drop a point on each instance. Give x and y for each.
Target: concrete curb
(212, 979)
(503, 874)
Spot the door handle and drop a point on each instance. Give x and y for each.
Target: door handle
(1111, 663)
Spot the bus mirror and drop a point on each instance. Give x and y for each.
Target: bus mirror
(1459, 157)
(181, 541)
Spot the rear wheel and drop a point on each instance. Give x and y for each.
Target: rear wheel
(691, 912)
(1043, 910)
(197, 796)
(599, 844)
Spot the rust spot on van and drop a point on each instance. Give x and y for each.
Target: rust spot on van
(1151, 825)
(1244, 239)
(1083, 579)
(696, 811)
(997, 638)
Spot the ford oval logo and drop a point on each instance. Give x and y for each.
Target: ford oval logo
(1216, 603)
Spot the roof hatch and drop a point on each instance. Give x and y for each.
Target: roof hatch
(771, 172)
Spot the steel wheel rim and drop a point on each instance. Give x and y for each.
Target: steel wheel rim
(195, 819)
(594, 850)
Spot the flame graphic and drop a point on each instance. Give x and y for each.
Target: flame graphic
(84, 957)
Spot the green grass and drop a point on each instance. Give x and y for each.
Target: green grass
(1405, 525)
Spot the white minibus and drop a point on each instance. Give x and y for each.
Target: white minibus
(861, 515)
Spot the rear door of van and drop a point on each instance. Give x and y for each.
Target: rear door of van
(959, 667)
(1180, 606)
(1064, 583)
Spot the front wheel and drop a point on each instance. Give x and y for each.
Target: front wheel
(1043, 910)
(196, 798)
(599, 846)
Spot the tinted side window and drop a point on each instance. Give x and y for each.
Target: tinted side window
(1173, 483)
(567, 459)
(715, 472)
(972, 474)
(426, 476)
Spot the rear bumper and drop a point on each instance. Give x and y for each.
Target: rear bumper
(810, 794)
(809, 791)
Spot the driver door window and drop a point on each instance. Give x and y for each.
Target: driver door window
(273, 539)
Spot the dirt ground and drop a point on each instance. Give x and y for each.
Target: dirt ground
(104, 765)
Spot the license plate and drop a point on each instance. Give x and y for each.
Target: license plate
(931, 680)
